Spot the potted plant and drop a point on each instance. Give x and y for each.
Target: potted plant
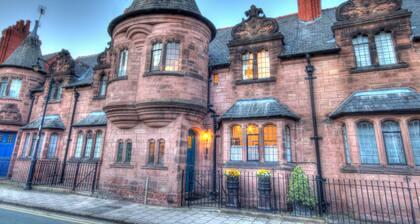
(299, 193)
(232, 183)
(264, 189)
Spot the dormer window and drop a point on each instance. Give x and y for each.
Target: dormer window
(122, 65)
(256, 65)
(385, 48)
(165, 56)
(361, 51)
(56, 91)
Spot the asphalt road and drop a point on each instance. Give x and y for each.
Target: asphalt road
(18, 215)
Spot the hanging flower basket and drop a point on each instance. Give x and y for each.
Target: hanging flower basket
(232, 184)
(264, 189)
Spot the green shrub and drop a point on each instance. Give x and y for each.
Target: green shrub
(299, 191)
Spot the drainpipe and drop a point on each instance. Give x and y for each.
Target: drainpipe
(214, 117)
(310, 69)
(32, 97)
(76, 95)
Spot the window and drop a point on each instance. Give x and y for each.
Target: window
(393, 143)
(33, 145)
(253, 140)
(236, 143)
(367, 143)
(263, 59)
(41, 144)
(161, 152)
(89, 145)
(122, 65)
(79, 146)
(172, 56)
(385, 48)
(287, 144)
(156, 57)
(52, 148)
(247, 66)
(270, 143)
(346, 144)
(25, 145)
(98, 145)
(414, 129)
(361, 51)
(120, 151)
(56, 91)
(15, 86)
(151, 156)
(3, 87)
(103, 84)
(215, 79)
(128, 151)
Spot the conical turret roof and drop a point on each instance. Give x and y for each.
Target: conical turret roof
(28, 52)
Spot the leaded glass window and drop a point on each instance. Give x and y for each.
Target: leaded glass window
(156, 56)
(52, 148)
(25, 145)
(128, 151)
(161, 152)
(263, 65)
(33, 145)
(123, 62)
(172, 56)
(151, 156)
(253, 139)
(361, 51)
(287, 144)
(385, 48)
(414, 129)
(98, 145)
(394, 146)
(236, 143)
(367, 143)
(248, 66)
(15, 86)
(103, 84)
(271, 153)
(120, 151)
(89, 144)
(3, 87)
(79, 146)
(56, 91)
(346, 144)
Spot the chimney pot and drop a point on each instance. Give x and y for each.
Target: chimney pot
(309, 10)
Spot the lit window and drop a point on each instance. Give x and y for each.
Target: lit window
(263, 59)
(89, 144)
(393, 143)
(287, 144)
(215, 79)
(122, 67)
(172, 56)
(385, 48)
(253, 139)
(15, 86)
(3, 87)
(248, 66)
(346, 144)
(236, 143)
(79, 145)
(151, 156)
(414, 127)
(156, 57)
(367, 143)
(103, 82)
(161, 152)
(98, 145)
(25, 145)
(361, 51)
(128, 151)
(271, 153)
(52, 148)
(120, 151)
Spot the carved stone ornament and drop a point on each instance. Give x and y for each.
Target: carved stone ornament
(255, 25)
(103, 61)
(364, 9)
(63, 64)
(10, 112)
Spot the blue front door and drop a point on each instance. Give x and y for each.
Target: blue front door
(7, 142)
(190, 175)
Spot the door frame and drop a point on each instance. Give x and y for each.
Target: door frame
(13, 144)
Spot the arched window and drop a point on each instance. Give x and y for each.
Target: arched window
(89, 144)
(361, 51)
(367, 143)
(98, 145)
(103, 83)
(253, 139)
(346, 144)
(236, 143)
(128, 151)
(156, 55)
(385, 48)
(287, 144)
(79, 145)
(161, 152)
(151, 151)
(120, 151)
(263, 65)
(122, 65)
(414, 128)
(25, 145)
(248, 66)
(172, 56)
(52, 148)
(393, 143)
(271, 153)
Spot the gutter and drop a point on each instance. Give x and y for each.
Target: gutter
(312, 53)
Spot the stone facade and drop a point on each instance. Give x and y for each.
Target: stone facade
(164, 110)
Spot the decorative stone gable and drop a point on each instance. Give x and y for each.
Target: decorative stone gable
(63, 64)
(10, 113)
(366, 9)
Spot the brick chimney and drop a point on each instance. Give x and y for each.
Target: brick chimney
(309, 10)
(12, 37)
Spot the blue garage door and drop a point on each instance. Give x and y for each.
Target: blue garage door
(7, 142)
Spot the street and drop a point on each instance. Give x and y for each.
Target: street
(19, 215)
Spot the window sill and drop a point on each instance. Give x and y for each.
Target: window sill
(118, 79)
(10, 98)
(99, 98)
(378, 68)
(54, 102)
(254, 81)
(154, 168)
(24, 159)
(251, 164)
(378, 169)
(164, 73)
(122, 166)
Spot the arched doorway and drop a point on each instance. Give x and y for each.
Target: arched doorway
(191, 153)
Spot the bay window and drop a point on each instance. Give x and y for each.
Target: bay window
(414, 129)
(394, 146)
(236, 143)
(367, 143)
(271, 153)
(253, 139)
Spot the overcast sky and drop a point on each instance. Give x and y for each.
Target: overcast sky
(81, 25)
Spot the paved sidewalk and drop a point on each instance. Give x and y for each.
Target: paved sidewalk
(128, 212)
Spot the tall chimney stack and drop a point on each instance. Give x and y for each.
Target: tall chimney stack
(309, 10)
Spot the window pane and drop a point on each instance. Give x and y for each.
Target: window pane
(57, 91)
(414, 127)
(161, 153)
(346, 145)
(172, 57)
(120, 150)
(33, 145)
(236, 143)
(40, 146)
(128, 152)
(270, 144)
(122, 69)
(263, 64)
(103, 85)
(3, 87)
(361, 51)
(98, 145)
(393, 143)
(253, 143)
(156, 56)
(15, 86)
(247, 66)
(52, 148)
(287, 144)
(25, 145)
(89, 144)
(385, 48)
(151, 158)
(367, 143)
(79, 145)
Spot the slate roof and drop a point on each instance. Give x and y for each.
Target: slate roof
(93, 119)
(51, 122)
(185, 5)
(380, 101)
(258, 108)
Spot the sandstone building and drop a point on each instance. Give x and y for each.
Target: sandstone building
(171, 91)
